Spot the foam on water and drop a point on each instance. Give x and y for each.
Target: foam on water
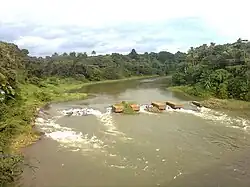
(105, 118)
(216, 116)
(67, 137)
(81, 112)
(211, 115)
(143, 110)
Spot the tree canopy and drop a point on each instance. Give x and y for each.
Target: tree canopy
(222, 71)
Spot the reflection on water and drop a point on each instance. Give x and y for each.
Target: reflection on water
(93, 147)
(116, 88)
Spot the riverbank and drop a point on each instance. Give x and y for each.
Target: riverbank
(120, 80)
(49, 91)
(34, 98)
(211, 102)
(17, 128)
(52, 91)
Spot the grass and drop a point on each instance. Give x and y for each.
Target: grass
(36, 97)
(190, 91)
(230, 104)
(51, 92)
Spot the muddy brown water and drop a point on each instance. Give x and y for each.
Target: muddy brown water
(175, 148)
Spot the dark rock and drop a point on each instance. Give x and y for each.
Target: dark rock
(196, 103)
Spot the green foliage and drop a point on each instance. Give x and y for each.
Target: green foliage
(11, 62)
(15, 116)
(218, 70)
(42, 96)
(54, 81)
(127, 108)
(10, 168)
(102, 67)
(179, 78)
(16, 119)
(35, 81)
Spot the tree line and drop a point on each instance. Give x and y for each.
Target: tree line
(218, 70)
(102, 67)
(17, 66)
(222, 71)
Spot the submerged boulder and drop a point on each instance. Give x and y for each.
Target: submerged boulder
(196, 103)
(153, 109)
(160, 106)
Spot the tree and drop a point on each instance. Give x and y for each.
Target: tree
(81, 55)
(164, 56)
(93, 53)
(220, 70)
(133, 54)
(55, 55)
(72, 54)
(25, 52)
(64, 54)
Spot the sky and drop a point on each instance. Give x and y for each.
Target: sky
(106, 26)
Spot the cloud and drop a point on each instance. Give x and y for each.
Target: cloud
(11, 31)
(44, 27)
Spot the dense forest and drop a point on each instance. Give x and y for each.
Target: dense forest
(96, 68)
(209, 70)
(221, 71)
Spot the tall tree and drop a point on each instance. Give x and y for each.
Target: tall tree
(93, 53)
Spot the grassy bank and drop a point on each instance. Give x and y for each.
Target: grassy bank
(209, 101)
(17, 128)
(51, 91)
(191, 92)
(35, 97)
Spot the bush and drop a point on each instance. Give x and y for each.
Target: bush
(35, 81)
(178, 79)
(10, 168)
(53, 81)
(15, 120)
(127, 108)
(43, 96)
(247, 96)
(222, 91)
(80, 77)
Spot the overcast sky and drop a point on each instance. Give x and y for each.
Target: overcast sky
(106, 26)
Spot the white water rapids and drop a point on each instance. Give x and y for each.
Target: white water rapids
(75, 140)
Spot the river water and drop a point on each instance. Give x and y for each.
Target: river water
(175, 148)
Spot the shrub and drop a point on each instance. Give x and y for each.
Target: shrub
(43, 96)
(127, 108)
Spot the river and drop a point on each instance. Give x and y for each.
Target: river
(174, 148)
